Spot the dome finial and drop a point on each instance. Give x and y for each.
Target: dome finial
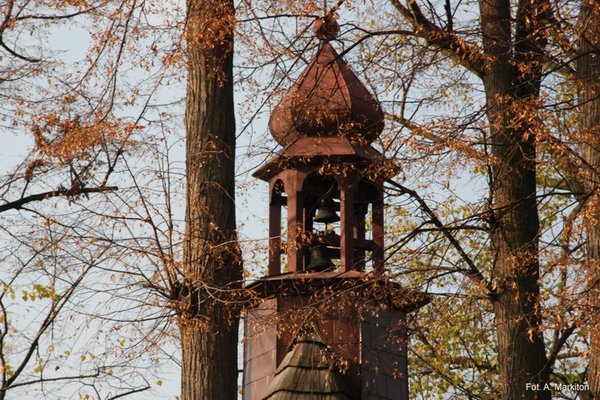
(326, 28)
(327, 99)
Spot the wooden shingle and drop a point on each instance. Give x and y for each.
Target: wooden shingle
(307, 373)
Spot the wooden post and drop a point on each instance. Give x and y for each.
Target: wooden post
(347, 187)
(294, 181)
(275, 230)
(359, 235)
(378, 231)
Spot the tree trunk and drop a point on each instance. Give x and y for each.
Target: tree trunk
(588, 74)
(511, 94)
(208, 320)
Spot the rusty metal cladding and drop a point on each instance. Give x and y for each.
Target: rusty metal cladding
(327, 100)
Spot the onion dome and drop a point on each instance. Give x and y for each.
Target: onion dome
(327, 100)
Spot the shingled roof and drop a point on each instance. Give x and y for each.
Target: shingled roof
(307, 373)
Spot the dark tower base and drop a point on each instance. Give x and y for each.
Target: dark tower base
(363, 328)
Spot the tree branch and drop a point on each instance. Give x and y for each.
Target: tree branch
(132, 391)
(17, 204)
(558, 344)
(467, 54)
(15, 54)
(472, 271)
(50, 317)
(426, 133)
(54, 379)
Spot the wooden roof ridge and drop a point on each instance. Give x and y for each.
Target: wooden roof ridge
(307, 372)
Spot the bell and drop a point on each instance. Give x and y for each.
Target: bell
(326, 213)
(319, 259)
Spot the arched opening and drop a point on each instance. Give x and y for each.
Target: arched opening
(322, 223)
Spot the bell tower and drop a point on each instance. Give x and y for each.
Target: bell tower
(326, 244)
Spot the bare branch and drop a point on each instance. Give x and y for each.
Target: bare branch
(17, 204)
(472, 271)
(467, 54)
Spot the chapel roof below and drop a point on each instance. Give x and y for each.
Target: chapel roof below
(307, 372)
